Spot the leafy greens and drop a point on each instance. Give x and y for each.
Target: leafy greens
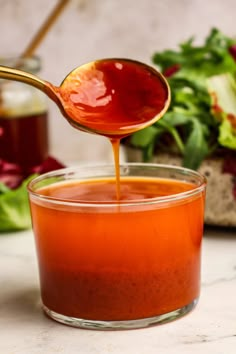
(202, 114)
(14, 207)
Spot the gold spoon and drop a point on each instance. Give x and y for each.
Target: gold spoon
(94, 97)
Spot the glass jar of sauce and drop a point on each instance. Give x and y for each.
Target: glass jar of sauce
(23, 118)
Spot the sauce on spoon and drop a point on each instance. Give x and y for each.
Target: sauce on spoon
(114, 98)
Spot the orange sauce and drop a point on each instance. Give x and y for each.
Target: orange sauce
(118, 262)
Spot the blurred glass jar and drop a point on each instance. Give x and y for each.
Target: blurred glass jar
(23, 118)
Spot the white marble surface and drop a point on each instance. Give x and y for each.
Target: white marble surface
(210, 328)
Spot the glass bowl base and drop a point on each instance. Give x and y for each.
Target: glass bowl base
(120, 325)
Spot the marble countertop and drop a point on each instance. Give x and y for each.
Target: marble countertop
(210, 328)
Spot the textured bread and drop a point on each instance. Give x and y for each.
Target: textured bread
(220, 201)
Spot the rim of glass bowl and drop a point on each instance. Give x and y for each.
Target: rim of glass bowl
(68, 174)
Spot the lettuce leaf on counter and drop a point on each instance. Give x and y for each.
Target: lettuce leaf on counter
(14, 204)
(14, 207)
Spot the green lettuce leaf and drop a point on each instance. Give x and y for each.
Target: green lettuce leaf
(196, 148)
(145, 139)
(14, 208)
(223, 92)
(3, 188)
(227, 135)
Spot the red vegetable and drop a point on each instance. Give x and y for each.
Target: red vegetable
(229, 166)
(12, 174)
(171, 70)
(232, 51)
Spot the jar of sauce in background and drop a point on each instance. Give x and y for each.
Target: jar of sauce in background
(23, 118)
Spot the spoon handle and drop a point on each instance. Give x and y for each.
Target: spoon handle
(30, 79)
(19, 75)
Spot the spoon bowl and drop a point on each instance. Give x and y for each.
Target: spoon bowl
(111, 97)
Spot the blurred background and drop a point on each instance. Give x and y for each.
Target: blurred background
(92, 29)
